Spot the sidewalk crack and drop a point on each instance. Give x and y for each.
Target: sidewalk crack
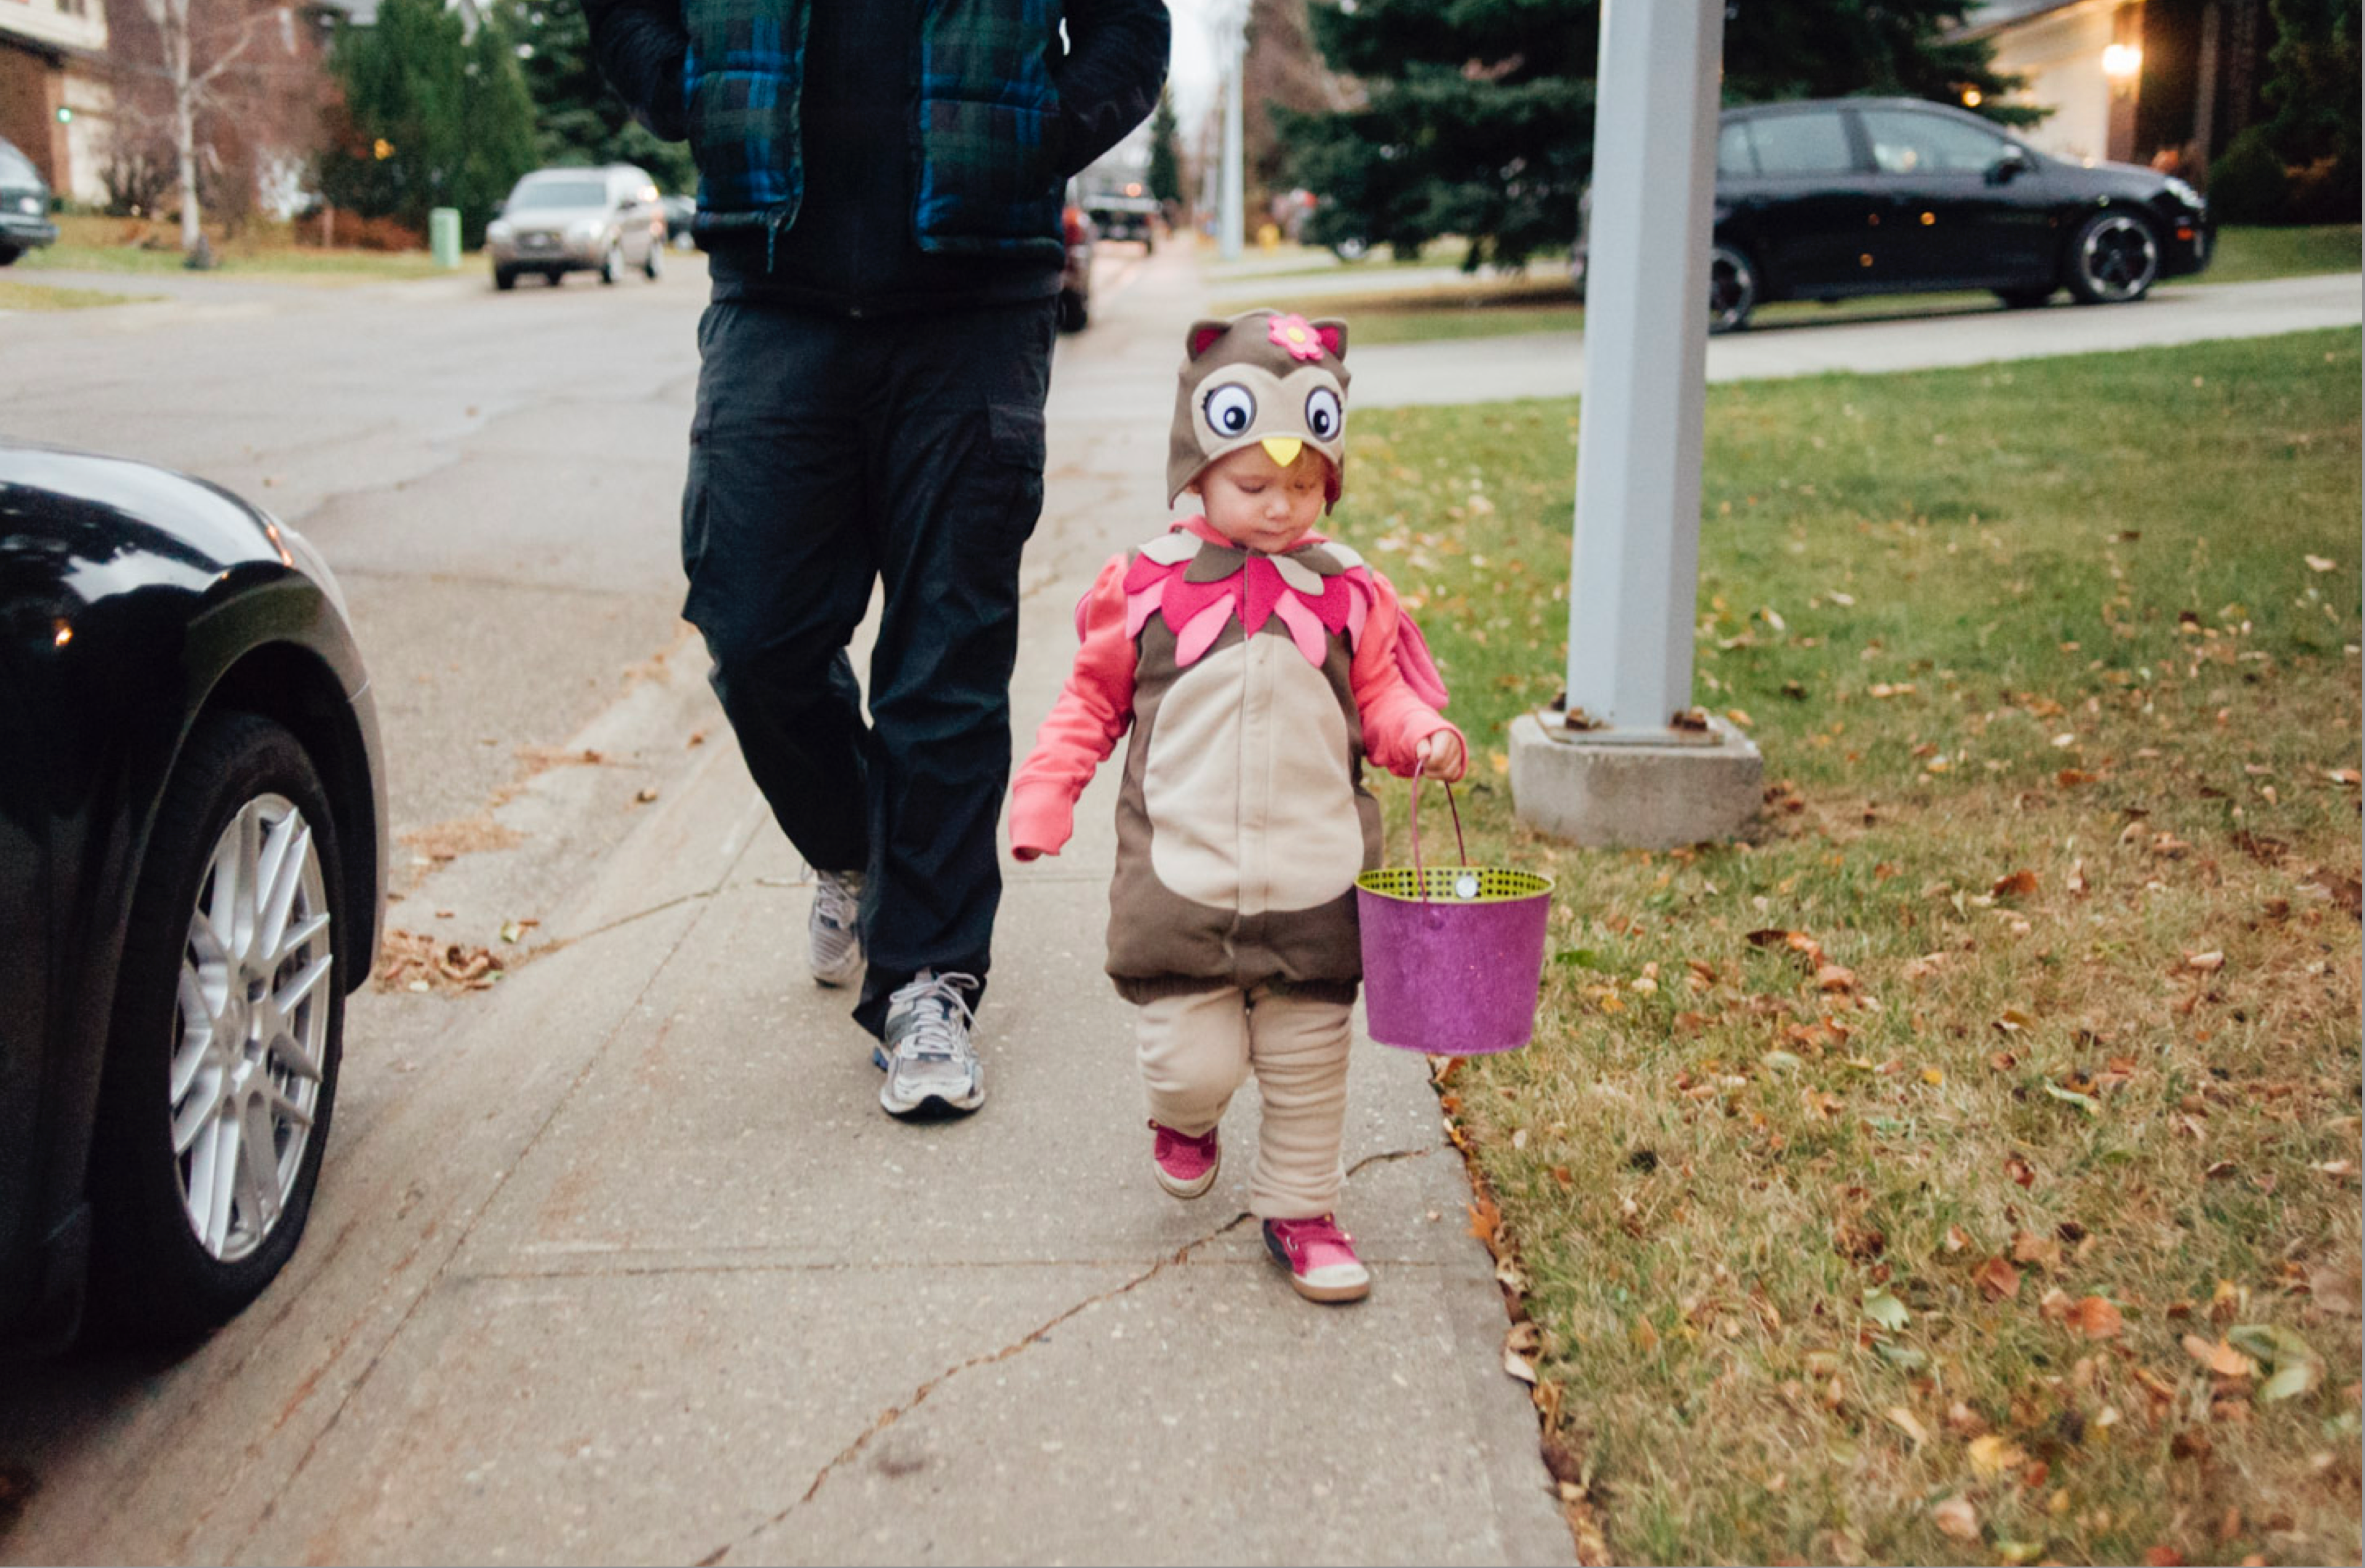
(1034, 1337)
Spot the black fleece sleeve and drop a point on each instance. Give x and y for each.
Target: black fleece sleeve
(639, 45)
(1108, 85)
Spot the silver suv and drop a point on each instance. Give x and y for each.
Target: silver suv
(562, 221)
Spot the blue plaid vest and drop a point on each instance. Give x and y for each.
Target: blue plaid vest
(987, 182)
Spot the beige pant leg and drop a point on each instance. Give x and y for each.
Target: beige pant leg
(1298, 1048)
(1194, 1055)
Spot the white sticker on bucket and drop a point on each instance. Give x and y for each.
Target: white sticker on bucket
(1465, 886)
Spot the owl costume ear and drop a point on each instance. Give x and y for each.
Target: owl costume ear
(1262, 376)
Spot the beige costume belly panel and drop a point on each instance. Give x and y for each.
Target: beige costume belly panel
(1258, 828)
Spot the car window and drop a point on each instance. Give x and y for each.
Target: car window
(15, 169)
(559, 193)
(1735, 156)
(1907, 143)
(1814, 143)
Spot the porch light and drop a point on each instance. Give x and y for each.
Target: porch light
(1973, 98)
(2121, 61)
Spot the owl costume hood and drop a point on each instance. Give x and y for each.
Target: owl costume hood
(1265, 377)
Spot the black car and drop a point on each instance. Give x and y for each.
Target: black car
(24, 205)
(1120, 214)
(1830, 198)
(191, 856)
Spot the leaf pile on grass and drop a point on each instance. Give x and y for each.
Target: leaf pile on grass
(1964, 1164)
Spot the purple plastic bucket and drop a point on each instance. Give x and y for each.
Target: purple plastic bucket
(1453, 956)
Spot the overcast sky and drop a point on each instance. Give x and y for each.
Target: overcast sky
(1195, 66)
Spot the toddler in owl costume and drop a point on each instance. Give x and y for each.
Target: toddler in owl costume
(1257, 664)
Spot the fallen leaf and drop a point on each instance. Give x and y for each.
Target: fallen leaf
(2207, 963)
(2334, 1290)
(2319, 563)
(2027, 1246)
(1998, 1280)
(2220, 1358)
(1517, 1366)
(1886, 1310)
(1645, 1338)
(1957, 1519)
(1835, 977)
(2057, 1307)
(2098, 1318)
(2020, 884)
(2020, 1170)
(1992, 1455)
(2085, 1102)
(1905, 1421)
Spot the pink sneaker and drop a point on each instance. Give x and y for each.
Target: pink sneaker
(1320, 1259)
(1186, 1166)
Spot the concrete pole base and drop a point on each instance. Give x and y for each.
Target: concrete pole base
(1628, 795)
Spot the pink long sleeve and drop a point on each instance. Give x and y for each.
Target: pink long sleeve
(1394, 721)
(1094, 713)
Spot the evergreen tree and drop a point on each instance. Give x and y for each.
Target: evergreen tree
(579, 117)
(2312, 87)
(1165, 162)
(431, 117)
(1477, 118)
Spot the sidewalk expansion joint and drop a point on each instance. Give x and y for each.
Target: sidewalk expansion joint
(1036, 1336)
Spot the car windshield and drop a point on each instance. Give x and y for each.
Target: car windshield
(15, 169)
(547, 194)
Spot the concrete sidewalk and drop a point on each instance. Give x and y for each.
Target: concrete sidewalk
(633, 1267)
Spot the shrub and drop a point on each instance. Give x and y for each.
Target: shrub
(350, 231)
(2324, 191)
(2249, 184)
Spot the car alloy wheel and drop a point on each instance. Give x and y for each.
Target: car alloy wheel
(2114, 259)
(227, 1029)
(252, 1024)
(1731, 289)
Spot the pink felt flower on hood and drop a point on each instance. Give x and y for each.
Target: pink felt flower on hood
(1295, 338)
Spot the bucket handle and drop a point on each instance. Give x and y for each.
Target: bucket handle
(1419, 878)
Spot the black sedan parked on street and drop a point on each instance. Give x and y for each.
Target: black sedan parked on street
(191, 856)
(1830, 198)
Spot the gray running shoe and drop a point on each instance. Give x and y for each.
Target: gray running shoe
(930, 1065)
(833, 930)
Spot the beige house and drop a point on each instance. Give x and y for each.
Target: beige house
(2165, 81)
(54, 98)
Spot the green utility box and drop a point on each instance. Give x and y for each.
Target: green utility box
(444, 235)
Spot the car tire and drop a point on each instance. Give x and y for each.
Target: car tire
(1732, 289)
(611, 265)
(1352, 249)
(553, 275)
(2113, 259)
(653, 266)
(199, 1059)
(2024, 298)
(1074, 313)
(8, 254)
(505, 278)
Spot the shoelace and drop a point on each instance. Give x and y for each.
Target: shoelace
(931, 1032)
(841, 905)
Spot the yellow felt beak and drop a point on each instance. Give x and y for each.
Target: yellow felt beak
(1282, 449)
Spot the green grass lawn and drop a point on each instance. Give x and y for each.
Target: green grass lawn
(1962, 1164)
(18, 295)
(1540, 302)
(114, 245)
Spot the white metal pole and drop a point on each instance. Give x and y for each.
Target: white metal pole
(1635, 562)
(1235, 135)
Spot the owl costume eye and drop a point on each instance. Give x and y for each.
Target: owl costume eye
(1231, 410)
(1323, 414)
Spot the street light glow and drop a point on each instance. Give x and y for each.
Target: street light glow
(1973, 98)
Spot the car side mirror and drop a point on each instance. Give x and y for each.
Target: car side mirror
(2008, 168)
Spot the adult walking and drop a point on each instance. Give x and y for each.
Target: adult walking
(880, 198)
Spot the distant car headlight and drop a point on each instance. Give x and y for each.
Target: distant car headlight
(499, 228)
(587, 230)
(29, 204)
(2185, 193)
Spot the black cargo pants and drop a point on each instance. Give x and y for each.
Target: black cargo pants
(829, 453)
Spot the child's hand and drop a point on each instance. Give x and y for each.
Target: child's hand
(1440, 754)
